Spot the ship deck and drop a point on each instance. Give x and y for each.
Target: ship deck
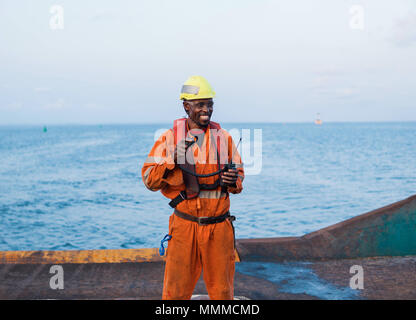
(384, 278)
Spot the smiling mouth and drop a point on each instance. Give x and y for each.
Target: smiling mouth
(204, 117)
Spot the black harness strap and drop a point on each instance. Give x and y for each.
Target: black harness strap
(182, 195)
(202, 221)
(175, 201)
(212, 186)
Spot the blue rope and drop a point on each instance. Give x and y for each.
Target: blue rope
(162, 248)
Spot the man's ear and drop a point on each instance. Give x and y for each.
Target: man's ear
(186, 106)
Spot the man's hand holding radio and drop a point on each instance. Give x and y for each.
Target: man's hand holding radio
(229, 178)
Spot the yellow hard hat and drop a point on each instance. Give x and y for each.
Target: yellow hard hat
(196, 87)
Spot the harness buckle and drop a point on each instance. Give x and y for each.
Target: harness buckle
(200, 221)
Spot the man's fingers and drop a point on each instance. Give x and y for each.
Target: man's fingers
(230, 174)
(227, 179)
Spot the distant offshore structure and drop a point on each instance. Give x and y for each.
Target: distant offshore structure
(318, 119)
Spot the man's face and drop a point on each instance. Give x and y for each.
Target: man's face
(199, 111)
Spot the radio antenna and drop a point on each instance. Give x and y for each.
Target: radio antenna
(236, 149)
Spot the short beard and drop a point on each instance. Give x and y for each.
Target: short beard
(204, 125)
(199, 124)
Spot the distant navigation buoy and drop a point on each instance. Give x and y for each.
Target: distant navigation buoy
(45, 129)
(318, 119)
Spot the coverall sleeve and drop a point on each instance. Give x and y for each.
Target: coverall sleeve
(235, 157)
(159, 163)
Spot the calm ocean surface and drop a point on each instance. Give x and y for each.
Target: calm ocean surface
(79, 187)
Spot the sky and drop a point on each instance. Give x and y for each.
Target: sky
(68, 61)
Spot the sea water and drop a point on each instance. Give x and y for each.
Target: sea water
(79, 187)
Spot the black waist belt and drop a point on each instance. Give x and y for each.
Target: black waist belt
(202, 221)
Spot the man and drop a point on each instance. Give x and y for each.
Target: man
(190, 165)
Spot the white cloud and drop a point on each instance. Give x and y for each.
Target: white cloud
(58, 104)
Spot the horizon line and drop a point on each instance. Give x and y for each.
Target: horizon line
(227, 122)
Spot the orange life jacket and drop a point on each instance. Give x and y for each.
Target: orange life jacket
(190, 177)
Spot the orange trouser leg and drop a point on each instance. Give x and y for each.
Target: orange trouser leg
(183, 260)
(218, 260)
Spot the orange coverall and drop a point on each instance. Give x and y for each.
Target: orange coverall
(195, 247)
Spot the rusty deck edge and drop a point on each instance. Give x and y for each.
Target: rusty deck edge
(84, 256)
(80, 256)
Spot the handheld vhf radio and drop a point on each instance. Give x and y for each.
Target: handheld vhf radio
(229, 166)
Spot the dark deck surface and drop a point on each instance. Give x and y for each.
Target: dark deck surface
(384, 278)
